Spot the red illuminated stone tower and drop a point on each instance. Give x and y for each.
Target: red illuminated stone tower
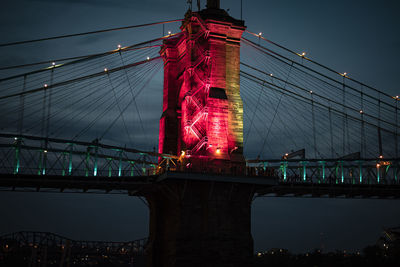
(202, 108)
(202, 219)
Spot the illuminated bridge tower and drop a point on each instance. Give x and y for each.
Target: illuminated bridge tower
(200, 218)
(202, 108)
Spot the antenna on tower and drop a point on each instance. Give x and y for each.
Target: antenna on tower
(190, 4)
(241, 9)
(198, 5)
(213, 4)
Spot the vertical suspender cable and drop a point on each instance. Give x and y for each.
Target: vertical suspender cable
(42, 128)
(331, 130)
(313, 125)
(276, 110)
(21, 108)
(362, 130)
(379, 126)
(49, 106)
(395, 130)
(344, 119)
(254, 113)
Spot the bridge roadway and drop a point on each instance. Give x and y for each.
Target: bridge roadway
(142, 185)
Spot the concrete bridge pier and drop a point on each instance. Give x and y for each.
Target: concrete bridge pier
(200, 223)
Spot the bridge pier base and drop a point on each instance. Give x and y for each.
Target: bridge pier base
(200, 223)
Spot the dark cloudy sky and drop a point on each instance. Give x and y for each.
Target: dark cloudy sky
(358, 37)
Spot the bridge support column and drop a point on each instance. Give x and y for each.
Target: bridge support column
(200, 223)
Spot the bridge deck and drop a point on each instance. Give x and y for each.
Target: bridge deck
(137, 185)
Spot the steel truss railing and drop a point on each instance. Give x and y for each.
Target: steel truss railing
(328, 171)
(31, 155)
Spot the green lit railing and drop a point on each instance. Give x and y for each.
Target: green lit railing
(331, 171)
(49, 156)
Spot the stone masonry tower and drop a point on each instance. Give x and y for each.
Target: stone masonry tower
(202, 108)
(198, 217)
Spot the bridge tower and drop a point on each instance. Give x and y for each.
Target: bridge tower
(202, 108)
(199, 218)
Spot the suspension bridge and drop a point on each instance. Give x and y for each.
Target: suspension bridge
(241, 117)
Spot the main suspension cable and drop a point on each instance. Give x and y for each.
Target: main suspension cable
(87, 33)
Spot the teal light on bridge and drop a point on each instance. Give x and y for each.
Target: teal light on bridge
(95, 162)
(265, 165)
(132, 163)
(361, 172)
(87, 163)
(284, 167)
(40, 163)
(378, 172)
(342, 171)
(304, 170)
(120, 164)
(70, 163)
(44, 162)
(17, 151)
(109, 166)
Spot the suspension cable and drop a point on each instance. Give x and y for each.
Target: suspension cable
(87, 33)
(318, 64)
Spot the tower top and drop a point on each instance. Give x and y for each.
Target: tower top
(213, 4)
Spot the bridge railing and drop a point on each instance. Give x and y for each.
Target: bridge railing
(328, 171)
(40, 156)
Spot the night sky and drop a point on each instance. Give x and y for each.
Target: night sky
(358, 37)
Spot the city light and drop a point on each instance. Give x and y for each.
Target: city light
(303, 54)
(105, 69)
(169, 32)
(119, 46)
(148, 58)
(260, 33)
(218, 151)
(45, 85)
